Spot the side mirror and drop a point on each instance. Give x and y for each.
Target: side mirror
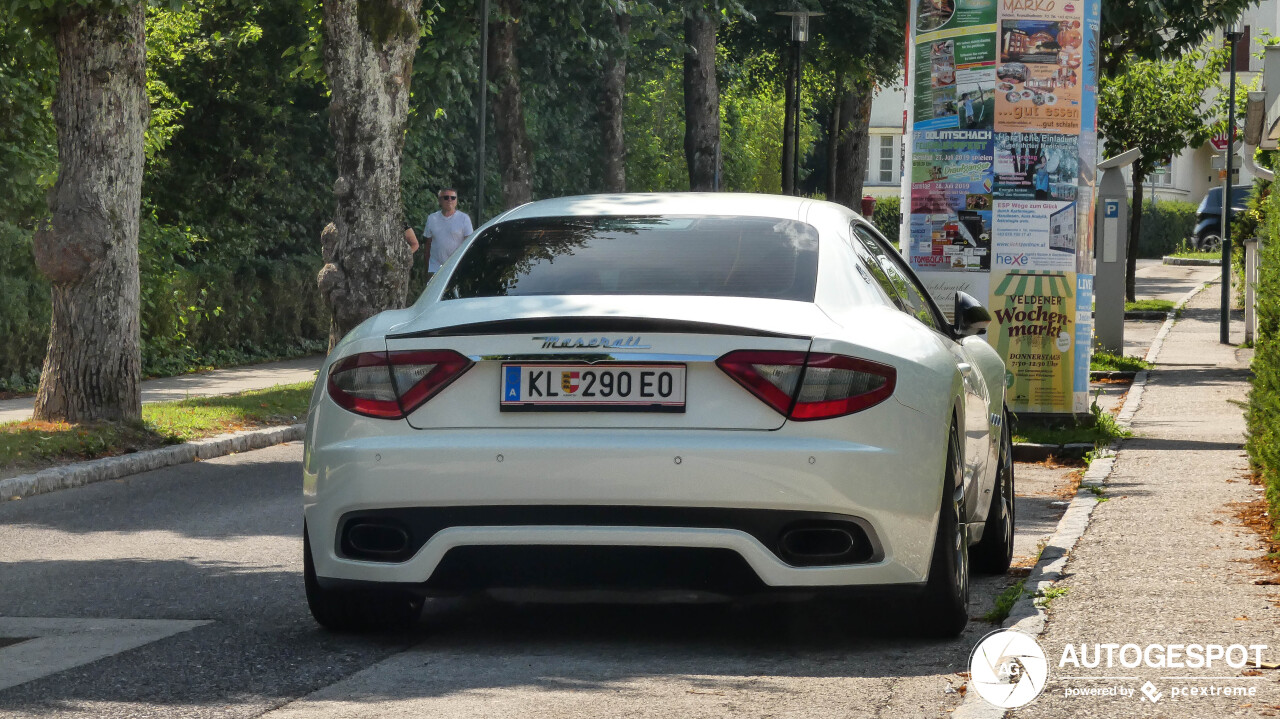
(971, 318)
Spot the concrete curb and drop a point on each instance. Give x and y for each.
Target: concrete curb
(1027, 614)
(1188, 262)
(1033, 452)
(98, 470)
(1116, 374)
(1144, 315)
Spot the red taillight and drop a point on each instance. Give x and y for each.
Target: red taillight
(391, 385)
(806, 386)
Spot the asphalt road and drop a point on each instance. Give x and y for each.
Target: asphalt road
(208, 557)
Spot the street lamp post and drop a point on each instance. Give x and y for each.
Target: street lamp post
(1224, 334)
(799, 36)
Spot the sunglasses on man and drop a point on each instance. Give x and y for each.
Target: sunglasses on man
(448, 197)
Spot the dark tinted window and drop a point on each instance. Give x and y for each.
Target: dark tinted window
(729, 256)
(911, 297)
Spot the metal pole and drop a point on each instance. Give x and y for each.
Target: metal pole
(481, 107)
(1225, 330)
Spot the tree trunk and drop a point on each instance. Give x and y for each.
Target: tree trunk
(851, 152)
(1135, 231)
(833, 133)
(611, 104)
(701, 99)
(612, 95)
(788, 132)
(514, 158)
(89, 248)
(368, 56)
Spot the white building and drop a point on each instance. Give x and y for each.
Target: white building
(1186, 178)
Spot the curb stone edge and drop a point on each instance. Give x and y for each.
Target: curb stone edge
(106, 468)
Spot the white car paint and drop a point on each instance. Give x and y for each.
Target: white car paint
(883, 465)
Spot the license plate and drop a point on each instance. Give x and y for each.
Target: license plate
(593, 388)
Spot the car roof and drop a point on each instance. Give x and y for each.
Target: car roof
(668, 203)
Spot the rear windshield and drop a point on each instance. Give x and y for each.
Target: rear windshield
(670, 255)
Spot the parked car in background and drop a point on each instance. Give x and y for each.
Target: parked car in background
(1208, 232)
(716, 393)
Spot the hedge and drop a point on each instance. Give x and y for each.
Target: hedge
(1165, 224)
(1263, 414)
(193, 315)
(24, 311)
(887, 217)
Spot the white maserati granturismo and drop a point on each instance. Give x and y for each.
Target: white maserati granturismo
(718, 393)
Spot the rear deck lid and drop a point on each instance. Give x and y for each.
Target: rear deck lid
(594, 362)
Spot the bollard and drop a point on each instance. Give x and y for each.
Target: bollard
(1250, 291)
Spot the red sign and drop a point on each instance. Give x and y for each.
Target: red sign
(1219, 141)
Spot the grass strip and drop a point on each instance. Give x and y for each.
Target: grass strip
(1100, 429)
(1149, 306)
(1196, 255)
(31, 444)
(1107, 362)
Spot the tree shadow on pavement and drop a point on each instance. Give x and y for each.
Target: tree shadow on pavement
(210, 499)
(1177, 445)
(263, 650)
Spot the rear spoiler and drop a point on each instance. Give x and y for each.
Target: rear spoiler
(591, 327)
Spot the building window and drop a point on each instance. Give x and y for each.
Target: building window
(1162, 175)
(880, 153)
(886, 158)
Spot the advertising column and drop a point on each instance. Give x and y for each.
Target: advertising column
(1003, 138)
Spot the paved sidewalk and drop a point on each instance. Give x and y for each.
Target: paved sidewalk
(203, 384)
(1161, 282)
(1165, 561)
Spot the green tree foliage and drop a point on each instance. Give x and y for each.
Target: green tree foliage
(250, 173)
(1137, 109)
(1163, 30)
(240, 163)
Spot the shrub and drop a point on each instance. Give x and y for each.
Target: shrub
(1165, 224)
(1263, 415)
(193, 315)
(24, 311)
(887, 217)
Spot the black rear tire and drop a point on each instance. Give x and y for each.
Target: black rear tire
(943, 611)
(356, 610)
(994, 553)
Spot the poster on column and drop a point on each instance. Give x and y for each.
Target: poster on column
(1038, 75)
(955, 82)
(1088, 138)
(1084, 339)
(950, 210)
(944, 286)
(955, 61)
(1036, 166)
(1034, 329)
(1031, 235)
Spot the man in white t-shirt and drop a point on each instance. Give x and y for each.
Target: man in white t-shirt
(445, 230)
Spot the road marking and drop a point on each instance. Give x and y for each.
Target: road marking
(35, 647)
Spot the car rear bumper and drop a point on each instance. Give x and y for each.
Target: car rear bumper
(651, 488)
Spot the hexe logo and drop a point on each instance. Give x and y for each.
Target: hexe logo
(1008, 669)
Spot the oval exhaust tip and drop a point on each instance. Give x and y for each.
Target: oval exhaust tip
(377, 539)
(817, 542)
